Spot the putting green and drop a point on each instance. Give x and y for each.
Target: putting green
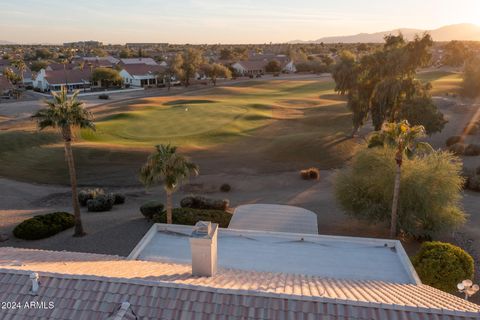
(185, 123)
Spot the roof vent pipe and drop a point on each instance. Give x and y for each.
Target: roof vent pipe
(35, 283)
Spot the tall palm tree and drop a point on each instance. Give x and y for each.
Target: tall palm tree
(166, 165)
(404, 139)
(65, 114)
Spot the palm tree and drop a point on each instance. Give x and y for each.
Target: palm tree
(65, 114)
(172, 168)
(21, 66)
(404, 139)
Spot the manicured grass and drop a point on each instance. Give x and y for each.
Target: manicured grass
(442, 82)
(216, 116)
(260, 125)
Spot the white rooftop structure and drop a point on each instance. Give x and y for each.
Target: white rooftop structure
(312, 255)
(274, 217)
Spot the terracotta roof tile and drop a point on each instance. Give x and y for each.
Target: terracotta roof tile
(93, 286)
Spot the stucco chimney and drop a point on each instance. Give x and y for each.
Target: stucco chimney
(203, 244)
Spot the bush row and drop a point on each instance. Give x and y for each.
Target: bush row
(199, 202)
(43, 226)
(189, 216)
(97, 200)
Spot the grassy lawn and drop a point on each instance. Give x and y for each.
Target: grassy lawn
(283, 123)
(443, 82)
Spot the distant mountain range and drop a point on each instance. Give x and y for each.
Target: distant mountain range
(5, 42)
(463, 31)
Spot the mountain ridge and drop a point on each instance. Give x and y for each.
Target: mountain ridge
(461, 31)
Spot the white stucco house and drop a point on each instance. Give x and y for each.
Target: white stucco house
(141, 75)
(53, 80)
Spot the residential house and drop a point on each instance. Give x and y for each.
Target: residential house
(54, 80)
(257, 62)
(141, 75)
(98, 62)
(206, 272)
(249, 68)
(148, 61)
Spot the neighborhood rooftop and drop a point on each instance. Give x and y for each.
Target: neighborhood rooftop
(93, 286)
(310, 255)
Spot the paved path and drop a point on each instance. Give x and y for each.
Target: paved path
(272, 217)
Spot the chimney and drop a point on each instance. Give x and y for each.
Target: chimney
(35, 283)
(203, 244)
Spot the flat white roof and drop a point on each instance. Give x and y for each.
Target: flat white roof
(315, 255)
(274, 217)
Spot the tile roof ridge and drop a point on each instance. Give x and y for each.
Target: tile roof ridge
(257, 293)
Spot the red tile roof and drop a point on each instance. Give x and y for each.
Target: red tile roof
(92, 286)
(141, 69)
(59, 77)
(253, 65)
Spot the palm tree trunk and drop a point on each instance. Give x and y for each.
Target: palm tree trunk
(79, 232)
(169, 207)
(396, 194)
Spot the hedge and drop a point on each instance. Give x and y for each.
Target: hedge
(44, 226)
(189, 216)
(443, 265)
(150, 208)
(199, 202)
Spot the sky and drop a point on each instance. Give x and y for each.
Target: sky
(220, 21)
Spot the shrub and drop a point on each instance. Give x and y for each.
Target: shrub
(472, 150)
(119, 198)
(189, 216)
(473, 183)
(43, 226)
(310, 174)
(443, 265)
(453, 140)
(89, 194)
(457, 149)
(225, 187)
(103, 96)
(150, 208)
(430, 191)
(101, 203)
(199, 202)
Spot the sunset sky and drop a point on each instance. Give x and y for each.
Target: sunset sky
(220, 21)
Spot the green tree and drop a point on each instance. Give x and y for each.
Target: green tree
(186, 64)
(43, 53)
(166, 165)
(273, 66)
(65, 114)
(125, 53)
(404, 139)
(380, 84)
(430, 190)
(456, 53)
(21, 67)
(216, 70)
(36, 66)
(11, 76)
(443, 265)
(106, 76)
(471, 78)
